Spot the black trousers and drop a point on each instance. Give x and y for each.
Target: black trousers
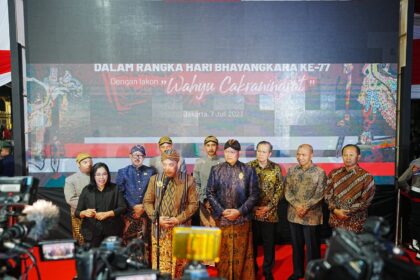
(97, 240)
(301, 235)
(264, 232)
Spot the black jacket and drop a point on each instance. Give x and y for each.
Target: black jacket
(114, 200)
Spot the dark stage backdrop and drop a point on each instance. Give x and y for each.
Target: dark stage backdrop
(104, 75)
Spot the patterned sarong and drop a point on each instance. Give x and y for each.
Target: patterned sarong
(138, 228)
(236, 253)
(167, 263)
(75, 227)
(206, 219)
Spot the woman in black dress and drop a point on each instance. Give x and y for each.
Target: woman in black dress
(100, 207)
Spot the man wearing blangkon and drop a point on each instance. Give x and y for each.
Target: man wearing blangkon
(179, 203)
(132, 181)
(165, 144)
(232, 191)
(73, 188)
(349, 193)
(201, 175)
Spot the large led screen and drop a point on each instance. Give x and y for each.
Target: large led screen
(105, 75)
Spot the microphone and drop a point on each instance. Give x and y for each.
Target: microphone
(162, 194)
(164, 186)
(45, 216)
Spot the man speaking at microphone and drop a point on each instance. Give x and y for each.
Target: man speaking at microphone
(178, 204)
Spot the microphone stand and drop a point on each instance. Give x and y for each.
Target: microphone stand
(157, 218)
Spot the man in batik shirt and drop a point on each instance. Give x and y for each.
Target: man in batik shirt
(349, 193)
(232, 191)
(73, 187)
(165, 143)
(132, 181)
(179, 203)
(201, 175)
(304, 190)
(265, 212)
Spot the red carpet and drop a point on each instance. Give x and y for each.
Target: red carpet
(283, 266)
(282, 270)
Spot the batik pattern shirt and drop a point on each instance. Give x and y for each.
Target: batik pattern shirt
(271, 189)
(133, 182)
(305, 188)
(180, 199)
(350, 190)
(202, 172)
(232, 187)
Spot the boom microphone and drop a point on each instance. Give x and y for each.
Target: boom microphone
(45, 216)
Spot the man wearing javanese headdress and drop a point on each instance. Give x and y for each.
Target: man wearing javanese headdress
(132, 181)
(179, 203)
(201, 175)
(165, 143)
(73, 187)
(232, 191)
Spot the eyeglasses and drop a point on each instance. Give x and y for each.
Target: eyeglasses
(137, 156)
(101, 175)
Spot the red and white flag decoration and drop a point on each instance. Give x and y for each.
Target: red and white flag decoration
(5, 65)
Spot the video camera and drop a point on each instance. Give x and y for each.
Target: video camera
(15, 194)
(18, 191)
(362, 256)
(22, 225)
(113, 261)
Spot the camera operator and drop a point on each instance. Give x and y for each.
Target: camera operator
(101, 206)
(7, 163)
(413, 174)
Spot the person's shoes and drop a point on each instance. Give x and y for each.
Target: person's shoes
(268, 276)
(414, 246)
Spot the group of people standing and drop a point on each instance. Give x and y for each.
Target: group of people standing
(239, 198)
